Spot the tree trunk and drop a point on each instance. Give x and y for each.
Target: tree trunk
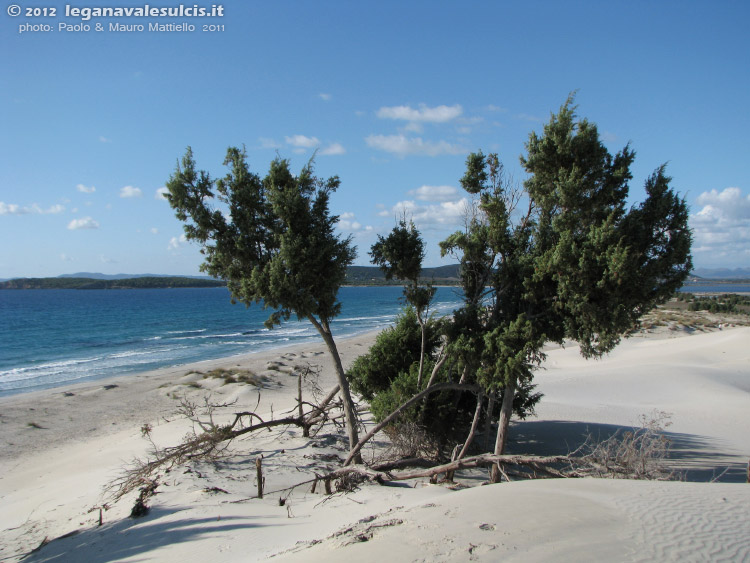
(488, 422)
(387, 420)
(421, 351)
(470, 437)
(502, 425)
(346, 396)
(474, 424)
(442, 357)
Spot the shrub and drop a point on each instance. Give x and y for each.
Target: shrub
(394, 351)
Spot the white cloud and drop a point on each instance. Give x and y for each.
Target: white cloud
(527, 117)
(434, 193)
(493, 107)
(324, 97)
(401, 145)
(721, 228)
(104, 139)
(85, 189)
(348, 222)
(175, 242)
(301, 141)
(161, 193)
(333, 149)
(85, 223)
(729, 203)
(412, 127)
(438, 114)
(65, 258)
(267, 143)
(154, 231)
(14, 209)
(130, 191)
(447, 213)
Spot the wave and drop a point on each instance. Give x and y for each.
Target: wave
(49, 368)
(158, 333)
(370, 318)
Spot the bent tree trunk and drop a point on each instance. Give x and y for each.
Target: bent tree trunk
(503, 423)
(346, 396)
(419, 396)
(421, 350)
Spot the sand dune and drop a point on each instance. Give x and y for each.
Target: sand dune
(51, 477)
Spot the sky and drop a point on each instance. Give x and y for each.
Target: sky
(389, 96)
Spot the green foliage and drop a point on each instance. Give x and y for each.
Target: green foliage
(443, 416)
(394, 352)
(400, 254)
(564, 258)
(725, 303)
(272, 240)
(275, 244)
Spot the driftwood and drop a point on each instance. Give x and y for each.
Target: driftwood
(259, 474)
(538, 464)
(210, 443)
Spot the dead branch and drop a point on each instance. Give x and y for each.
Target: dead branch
(442, 357)
(639, 453)
(540, 464)
(207, 445)
(395, 414)
(472, 433)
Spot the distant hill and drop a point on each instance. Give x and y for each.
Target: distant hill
(356, 275)
(722, 273)
(146, 282)
(97, 276)
(372, 275)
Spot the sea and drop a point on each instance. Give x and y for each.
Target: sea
(50, 338)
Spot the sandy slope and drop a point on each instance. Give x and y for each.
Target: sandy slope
(702, 380)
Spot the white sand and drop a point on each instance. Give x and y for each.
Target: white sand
(51, 477)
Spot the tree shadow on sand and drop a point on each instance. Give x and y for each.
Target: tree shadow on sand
(695, 458)
(133, 537)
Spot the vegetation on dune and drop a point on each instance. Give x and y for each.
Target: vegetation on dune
(273, 240)
(560, 257)
(724, 303)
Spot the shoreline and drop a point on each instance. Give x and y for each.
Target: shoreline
(241, 357)
(146, 396)
(53, 477)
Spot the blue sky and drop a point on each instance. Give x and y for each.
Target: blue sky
(393, 95)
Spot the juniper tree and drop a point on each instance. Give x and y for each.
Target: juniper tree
(400, 256)
(570, 261)
(273, 242)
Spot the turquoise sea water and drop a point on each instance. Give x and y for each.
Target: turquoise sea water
(54, 337)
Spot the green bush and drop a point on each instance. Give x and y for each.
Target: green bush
(443, 416)
(394, 351)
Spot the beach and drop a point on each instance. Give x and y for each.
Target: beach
(61, 447)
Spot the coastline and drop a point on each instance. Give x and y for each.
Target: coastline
(104, 406)
(52, 478)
